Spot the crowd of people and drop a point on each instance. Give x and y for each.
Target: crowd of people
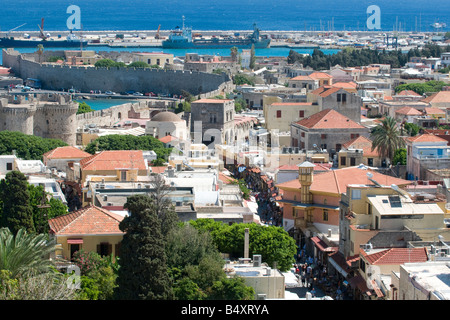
(312, 274)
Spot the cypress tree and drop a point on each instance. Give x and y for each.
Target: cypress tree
(17, 212)
(143, 269)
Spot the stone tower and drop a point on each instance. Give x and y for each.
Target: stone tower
(16, 116)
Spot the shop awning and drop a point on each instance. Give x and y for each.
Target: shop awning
(322, 246)
(74, 241)
(359, 282)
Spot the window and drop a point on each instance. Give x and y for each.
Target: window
(352, 161)
(323, 136)
(370, 162)
(302, 113)
(356, 194)
(123, 175)
(343, 161)
(278, 113)
(344, 97)
(354, 135)
(9, 166)
(104, 249)
(303, 134)
(325, 214)
(339, 97)
(338, 147)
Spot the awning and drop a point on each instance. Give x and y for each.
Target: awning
(377, 289)
(337, 267)
(75, 241)
(322, 246)
(359, 282)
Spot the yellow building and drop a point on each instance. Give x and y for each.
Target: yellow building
(154, 58)
(91, 229)
(280, 115)
(367, 210)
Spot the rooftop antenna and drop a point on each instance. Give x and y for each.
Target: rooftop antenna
(398, 190)
(370, 176)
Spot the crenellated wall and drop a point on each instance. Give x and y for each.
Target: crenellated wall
(43, 115)
(87, 78)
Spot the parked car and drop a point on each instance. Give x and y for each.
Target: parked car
(138, 94)
(110, 93)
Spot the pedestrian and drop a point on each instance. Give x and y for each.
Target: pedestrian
(303, 278)
(313, 292)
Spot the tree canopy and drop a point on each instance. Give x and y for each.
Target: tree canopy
(421, 88)
(273, 243)
(386, 138)
(350, 57)
(27, 147)
(128, 142)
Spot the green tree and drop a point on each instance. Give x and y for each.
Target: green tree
(53, 208)
(186, 289)
(23, 252)
(105, 63)
(128, 142)
(273, 243)
(234, 54)
(139, 64)
(252, 57)
(399, 157)
(232, 289)
(143, 271)
(412, 129)
(386, 138)
(17, 212)
(83, 107)
(40, 51)
(27, 147)
(241, 79)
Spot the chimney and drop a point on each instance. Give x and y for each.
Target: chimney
(246, 243)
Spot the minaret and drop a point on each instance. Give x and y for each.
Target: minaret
(305, 176)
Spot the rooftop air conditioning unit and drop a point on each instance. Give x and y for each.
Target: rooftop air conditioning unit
(257, 260)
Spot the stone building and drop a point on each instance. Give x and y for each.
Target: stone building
(44, 115)
(327, 129)
(214, 120)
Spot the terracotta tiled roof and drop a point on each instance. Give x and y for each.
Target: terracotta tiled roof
(328, 119)
(395, 256)
(67, 152)
(346, 85)
(433, 110)
(336, 181)
(363, 143)
(226, 179)
(425, 138)
(211, 101)
(292, 104)
(441, 96)
(302, 78)
(167, 139)
(410, 111)
(408, 93)
(320, 75)
(159, 169)
(89, 220)
(113, 160)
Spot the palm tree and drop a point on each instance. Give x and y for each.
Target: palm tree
(386, 138)
(40, 51)
(234, 54)
(25, 252)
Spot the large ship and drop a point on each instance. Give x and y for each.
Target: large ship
(183, 39)
(71, 41)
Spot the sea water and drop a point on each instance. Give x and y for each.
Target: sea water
(318, 15)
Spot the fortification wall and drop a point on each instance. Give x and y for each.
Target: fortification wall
(108, 117)
(85, 79)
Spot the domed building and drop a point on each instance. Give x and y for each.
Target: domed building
(166, 123)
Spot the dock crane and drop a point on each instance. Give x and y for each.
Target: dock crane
(41, 28)
(157, 36)
(7, 33)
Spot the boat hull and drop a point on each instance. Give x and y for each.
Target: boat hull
(216, 45)
(13, 43)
